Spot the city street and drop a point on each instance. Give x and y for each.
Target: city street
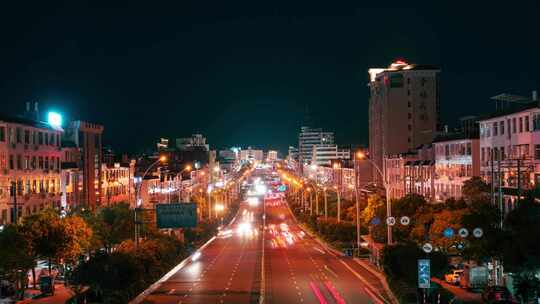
(297, 268)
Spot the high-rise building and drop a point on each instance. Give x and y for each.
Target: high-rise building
(196, 140)
(323, 155)
(163, 144)
(403, 109)
(251, 155)
(272, 155)
(309, 137)
(86, 137)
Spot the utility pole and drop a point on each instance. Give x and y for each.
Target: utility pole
(338, 206)
(316, 202)
(325, 205)
(357, 219)
(519, 180)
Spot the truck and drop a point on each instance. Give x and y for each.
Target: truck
(474, 277)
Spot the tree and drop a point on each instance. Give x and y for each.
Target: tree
(483, 215)
(111, 226)
(522, 249)
(54, 238)
(475, 189)
(16, 255)
(527, 286)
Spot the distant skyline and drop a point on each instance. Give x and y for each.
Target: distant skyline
(243, 72)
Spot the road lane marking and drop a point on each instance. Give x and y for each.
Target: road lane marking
(317, 293)
(376, 299)
(319, 250)
(334, 293)
(330, 270)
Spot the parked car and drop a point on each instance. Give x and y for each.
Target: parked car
(497, 294)
(453, 276)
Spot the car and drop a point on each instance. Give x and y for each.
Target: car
(497, 294)
(453, 276)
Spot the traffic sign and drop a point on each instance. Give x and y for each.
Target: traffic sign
(405, 220)
(463, 232)
(427, 247)
(448, 233)
(478, 232)
(424, 273)
(176, 215)
(391, 221)
(375, 221)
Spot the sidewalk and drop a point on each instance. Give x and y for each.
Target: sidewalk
(459, 293)
(61, 295)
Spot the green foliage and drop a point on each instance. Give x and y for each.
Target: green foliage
(54, 238)
(475, 189)
(399, 263)
(16, 254)
(522, 249)
(527, 287)
(111, 226)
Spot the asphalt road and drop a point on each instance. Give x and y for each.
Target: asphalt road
(296, 267)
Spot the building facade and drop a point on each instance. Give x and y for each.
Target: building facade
(29, 164)
(457, 159)
(196, 140)
(251, 155)
(324, 154)
(86, 137)
(309, 137)
(117, 183)
(403, 109)
(510, 153)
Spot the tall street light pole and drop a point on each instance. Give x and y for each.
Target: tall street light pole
(386, 188)
(138, 202)
(325, 204)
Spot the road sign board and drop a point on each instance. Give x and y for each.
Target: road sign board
(463, 232)
(478, 232)
(405, 220)
(176, 215)
(427, 247)
(448, 233)
(424, 273)
(282, 188)
(391, 221)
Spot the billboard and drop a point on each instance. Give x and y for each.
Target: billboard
(176, 215)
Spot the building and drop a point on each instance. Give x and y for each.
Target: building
(162, 145)
(30, 162)
(86, 137)
(196, 140)
(457, 159)
(510, 151)
(251, 155)
(324, 154)
(272, 156)
(309, 137)
(117, 183)
(403, 109)
(411, 173)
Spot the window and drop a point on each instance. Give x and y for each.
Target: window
(527, 124)
(18, 135)
(19, 162)
(501, 126)
(46, 138)
(536, 151)
(408, 92)
(520, 124)
(2, 133)
(409, 103)
(514, 125)
(488, 131)
(469, 149)
(482, 152)
(46, 163)
(495, 155)
(536, 121)
(40, 138)
(11, 162)
(409, 115)
(27, 162)
(502, 153)
(41, 162)
(33, 164)
(27, 137)
(495, 129)
(410, 127)
(53, 140)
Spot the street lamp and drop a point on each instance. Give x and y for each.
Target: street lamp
(361, 155)
(138, 202)
(357, 215)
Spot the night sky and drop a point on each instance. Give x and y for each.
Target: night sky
(244, 73)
